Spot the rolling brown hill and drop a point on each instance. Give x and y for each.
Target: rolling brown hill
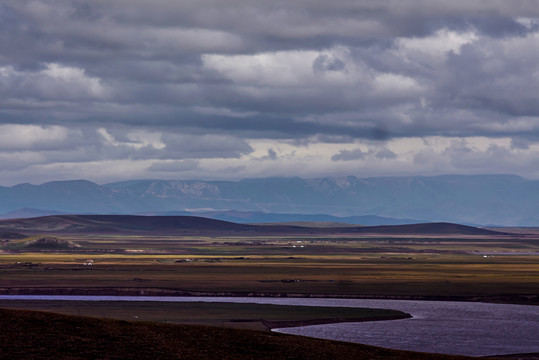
(192, 225)
(435, 228)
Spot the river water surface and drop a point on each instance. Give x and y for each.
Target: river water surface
(460, 328)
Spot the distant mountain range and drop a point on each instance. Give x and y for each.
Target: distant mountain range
(503, 200)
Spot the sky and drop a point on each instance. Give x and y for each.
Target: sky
(110, 90)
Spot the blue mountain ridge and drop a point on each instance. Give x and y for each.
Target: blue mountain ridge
(504, 200)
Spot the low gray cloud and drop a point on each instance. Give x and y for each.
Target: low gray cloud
(347, 155)
(204, 146)
(174, 166)
(324, 63)
(520, 143)
(272, 155)
(358, 154)
(385, 154)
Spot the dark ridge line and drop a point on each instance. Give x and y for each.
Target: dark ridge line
(182, 225)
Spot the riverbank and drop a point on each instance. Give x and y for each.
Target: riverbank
(29, 335)
(521, 299)
(198, 311)
(284, 324)
(472, 329)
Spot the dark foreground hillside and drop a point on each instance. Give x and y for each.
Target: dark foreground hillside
(38, 335)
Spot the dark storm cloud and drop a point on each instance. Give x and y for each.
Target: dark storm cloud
(495, 76)
(203, 78)
(150, 53)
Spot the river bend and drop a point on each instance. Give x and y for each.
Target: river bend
(459, 328)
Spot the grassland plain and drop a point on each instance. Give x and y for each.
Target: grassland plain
(501, 268)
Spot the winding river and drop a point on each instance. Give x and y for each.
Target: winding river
(459, 328)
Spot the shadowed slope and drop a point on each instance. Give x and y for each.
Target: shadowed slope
(11, 236)
(192, 225)
(435, 228)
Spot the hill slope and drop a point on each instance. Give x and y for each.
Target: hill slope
(192, 225)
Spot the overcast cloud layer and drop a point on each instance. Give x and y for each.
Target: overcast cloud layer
(211, 89)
